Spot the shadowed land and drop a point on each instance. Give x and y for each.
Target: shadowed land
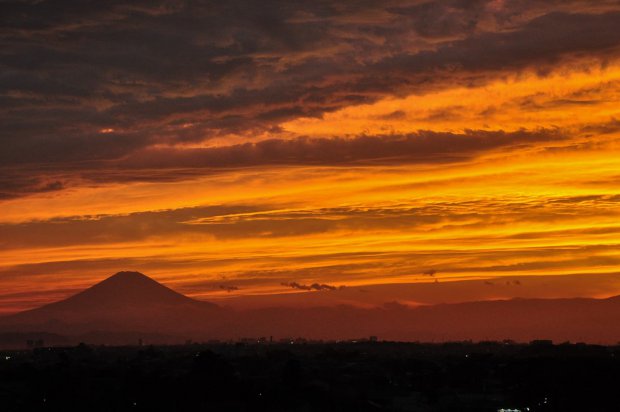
(130, 306)
(379, 376)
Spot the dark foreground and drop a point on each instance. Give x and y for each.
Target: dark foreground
(313, 377)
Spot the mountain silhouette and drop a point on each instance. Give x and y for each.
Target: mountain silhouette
(126, 301)
(124, 289)
(129, 305)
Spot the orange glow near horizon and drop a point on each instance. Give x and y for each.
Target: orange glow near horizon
(549, 213)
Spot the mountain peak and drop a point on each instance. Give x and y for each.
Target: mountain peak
(129, 274)
(127, 278)
(129, 287)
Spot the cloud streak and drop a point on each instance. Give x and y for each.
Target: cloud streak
(314, 286)
(148, 164)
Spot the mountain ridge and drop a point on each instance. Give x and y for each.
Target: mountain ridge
(132, 303)
(125, 301)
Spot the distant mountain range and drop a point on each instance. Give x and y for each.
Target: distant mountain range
(129, 306)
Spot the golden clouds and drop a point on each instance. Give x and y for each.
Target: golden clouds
(531, 213)
(568, 98)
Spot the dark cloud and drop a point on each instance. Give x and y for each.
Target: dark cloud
(172, 72)
(314, 286)
(395, 115)
(612, 126)
(511, 282)
(170, 164)
(420, 147)
(12, 186)
(541, 41)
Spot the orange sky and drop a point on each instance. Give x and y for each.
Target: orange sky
(485, 155)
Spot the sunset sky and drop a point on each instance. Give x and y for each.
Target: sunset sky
(417, 151)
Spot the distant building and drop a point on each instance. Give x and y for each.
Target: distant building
(541, 342)
(35, 343)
